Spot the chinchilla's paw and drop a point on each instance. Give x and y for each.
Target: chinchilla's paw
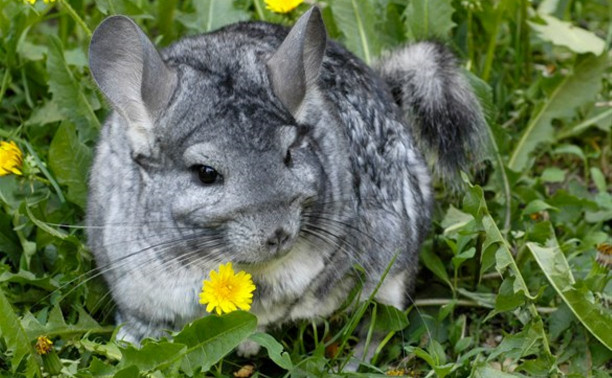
(248, 348)
(127, 335)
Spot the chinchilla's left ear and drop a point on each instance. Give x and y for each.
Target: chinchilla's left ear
(294, 67)
(132, 75)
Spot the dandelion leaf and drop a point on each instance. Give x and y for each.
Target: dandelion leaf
(212, 337)
(574, 90)
(429, 19)
(16, 338)
(356, 20)
(274, 348)
(70, 160)
(592, 315)
(561, 33)
(68, 92)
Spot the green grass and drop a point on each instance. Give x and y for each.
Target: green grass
(509, 282)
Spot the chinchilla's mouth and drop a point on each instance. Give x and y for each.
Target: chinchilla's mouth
(265, 260)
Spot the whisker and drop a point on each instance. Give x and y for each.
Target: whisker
(119, 263)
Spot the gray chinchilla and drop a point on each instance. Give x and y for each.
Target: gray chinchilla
(276, 150)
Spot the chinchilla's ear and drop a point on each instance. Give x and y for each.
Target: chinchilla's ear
(132, 75)
(294, 67)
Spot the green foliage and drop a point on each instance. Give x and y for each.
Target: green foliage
(565, 94)
(578, 297)
(429, 18)
(357, 20)
(15, 338)
(510, 281)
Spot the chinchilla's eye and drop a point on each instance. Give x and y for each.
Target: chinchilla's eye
(207, 175)
(287, 159)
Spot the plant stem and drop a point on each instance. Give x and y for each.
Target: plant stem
(370, 332)
(75, 16)
(504, 181)
(470, 40)
(467, 303)
(493, 42)
(5, 79)
(259, 10)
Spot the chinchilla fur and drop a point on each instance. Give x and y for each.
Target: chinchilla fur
(276, 150)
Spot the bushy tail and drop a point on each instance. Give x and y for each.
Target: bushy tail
(439, 103)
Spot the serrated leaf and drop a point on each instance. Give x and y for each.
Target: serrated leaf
(594, 317)
(428, 19)
(98, 368)
(356, 20)
(70, 160)
(151, 356)
(15, 337)
(495, 245)
(68, 92)
(27, 277)
(574, 90)
(212, 337)
(274, 348)
(56, 325)
(565, 34)
(523, 343)
(109, 350)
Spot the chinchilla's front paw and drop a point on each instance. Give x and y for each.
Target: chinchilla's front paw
(126, 336)
(248, 348)
(132, 330)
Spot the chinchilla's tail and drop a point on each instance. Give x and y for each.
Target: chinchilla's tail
(439, 104)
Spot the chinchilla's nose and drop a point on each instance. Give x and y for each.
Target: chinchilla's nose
(279, 240)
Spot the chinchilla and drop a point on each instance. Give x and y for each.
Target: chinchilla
(274, 149)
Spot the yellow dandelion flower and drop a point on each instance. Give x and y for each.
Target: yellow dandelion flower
(11, 158)
(227, 291)
(34, 1)
(604, 255)
(398, 373)
(282, 6)
(43, 345)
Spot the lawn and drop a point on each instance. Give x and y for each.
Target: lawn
(514, 277)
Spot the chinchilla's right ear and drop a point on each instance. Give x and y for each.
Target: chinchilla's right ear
(132, 75)
(294, 67)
